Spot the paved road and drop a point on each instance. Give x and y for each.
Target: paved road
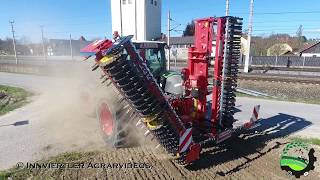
(59, 122)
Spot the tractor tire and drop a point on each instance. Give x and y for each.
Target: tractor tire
(114, 124)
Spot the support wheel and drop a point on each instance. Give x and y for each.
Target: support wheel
(113, 125)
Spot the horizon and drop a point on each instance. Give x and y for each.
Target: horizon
(93, 20)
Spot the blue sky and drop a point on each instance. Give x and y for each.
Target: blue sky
(92, 19)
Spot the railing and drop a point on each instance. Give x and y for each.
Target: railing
(286, 61)
(38, 60)
(272, 61)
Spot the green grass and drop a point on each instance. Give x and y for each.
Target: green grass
(19, 94)
(314, 141)
(307, 101)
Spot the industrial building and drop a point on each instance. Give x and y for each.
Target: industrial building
(140, 18)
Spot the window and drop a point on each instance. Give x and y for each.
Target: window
(155, 3)
(123, 1)
(129, 1)
(152, 2)
(154, 60)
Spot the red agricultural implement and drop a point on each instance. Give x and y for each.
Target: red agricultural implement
(177, 109)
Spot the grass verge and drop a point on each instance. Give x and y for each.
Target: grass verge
(314, 141)
(18, 96)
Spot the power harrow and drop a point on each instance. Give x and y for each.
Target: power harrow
(182, 123)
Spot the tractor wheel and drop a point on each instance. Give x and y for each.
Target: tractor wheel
(113, 125)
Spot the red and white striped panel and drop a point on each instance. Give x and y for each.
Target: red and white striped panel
(255, 114)
(254, 117)
(185, 140)
(224, 135)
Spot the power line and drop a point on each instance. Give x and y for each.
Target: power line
(246, 63)
(283, 12)
(284, 29)
(289, 12)
(43, 46)
(14, 41)
(295, 20)
(227, 7)
(43, 19)
(168, 39)
(70, 42)
(287, 26)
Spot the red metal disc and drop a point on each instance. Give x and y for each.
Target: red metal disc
(106, 119)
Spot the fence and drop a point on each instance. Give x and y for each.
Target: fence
(273, 61)
(276, 61)
(288, 61)
(38, 60)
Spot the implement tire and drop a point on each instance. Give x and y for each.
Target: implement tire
(113, 125)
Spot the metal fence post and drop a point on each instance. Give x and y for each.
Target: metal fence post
(303, 61)
(275, 64)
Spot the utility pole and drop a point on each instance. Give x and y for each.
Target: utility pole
(246, 62)
(227, 7)
(168, 41)
(71, 48)
(43, 47)
(14, 42)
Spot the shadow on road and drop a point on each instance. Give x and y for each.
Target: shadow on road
(251, 143)
(18, 123)
(237, 110)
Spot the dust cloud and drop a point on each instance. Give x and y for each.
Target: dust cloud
(68, 105)
(68, 109)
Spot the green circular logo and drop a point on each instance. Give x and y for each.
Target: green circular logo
(297, 158)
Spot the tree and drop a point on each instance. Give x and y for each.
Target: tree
(24, 40)
(278, 49)
(189, 30)
(300, 38)
(299, 31)
(6, 46)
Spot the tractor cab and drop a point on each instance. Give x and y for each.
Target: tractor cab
(154, 55)
(153, 52)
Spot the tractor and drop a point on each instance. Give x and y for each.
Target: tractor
(113, 119)
(178, 109)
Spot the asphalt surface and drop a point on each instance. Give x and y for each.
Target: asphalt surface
(58, 123)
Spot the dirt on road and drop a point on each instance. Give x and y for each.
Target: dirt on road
(250, 156)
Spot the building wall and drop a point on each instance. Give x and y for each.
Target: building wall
(153, 19)
(61, 47)
(182, 50)
(141, 25)
(116, 16)
(129, 17)
(182, 54)
(310, 54)
(141, 18)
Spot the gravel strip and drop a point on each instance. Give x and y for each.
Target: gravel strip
(289, 91)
